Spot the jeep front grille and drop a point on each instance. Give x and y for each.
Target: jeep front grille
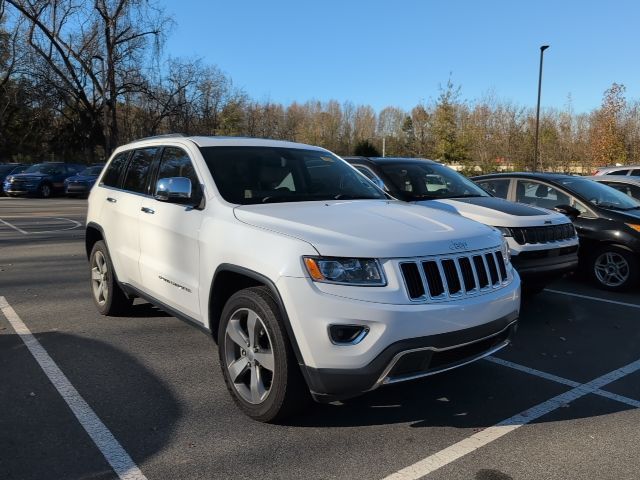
(552, 233)
(454, 276)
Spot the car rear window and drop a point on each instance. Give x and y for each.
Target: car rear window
(111, 177)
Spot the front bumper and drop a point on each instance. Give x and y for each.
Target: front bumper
(446, 335)
(77, 189)
(546, 264)
(20, 188)
(412, 359)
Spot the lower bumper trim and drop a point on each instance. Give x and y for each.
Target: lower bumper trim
(431, 355)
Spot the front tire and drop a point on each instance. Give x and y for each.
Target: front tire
(613, 268)
(107, 295)
(257, 362)
(45, 190)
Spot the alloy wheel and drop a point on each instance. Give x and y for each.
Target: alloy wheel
(611, 269)
(99, 283)
(249, 356)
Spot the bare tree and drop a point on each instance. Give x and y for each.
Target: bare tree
(93, 54)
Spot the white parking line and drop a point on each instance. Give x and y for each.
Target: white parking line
(74, 224)
(14, 227)
(110, 448)
(565, 381)
(597, 299)
(488, 435)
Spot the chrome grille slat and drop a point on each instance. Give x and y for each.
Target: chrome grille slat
(437, 279)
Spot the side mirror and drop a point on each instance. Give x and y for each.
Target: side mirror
(173, 189)
(567, 210)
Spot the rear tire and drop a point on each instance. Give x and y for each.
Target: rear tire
(107, 295)
(613, 268)
(257, 362)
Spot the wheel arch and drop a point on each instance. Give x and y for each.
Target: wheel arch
(227, 280)
(93, 233)
(612, 243)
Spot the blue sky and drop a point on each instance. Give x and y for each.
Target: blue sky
(398, 52)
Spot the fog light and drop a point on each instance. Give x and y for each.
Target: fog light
(347, 334)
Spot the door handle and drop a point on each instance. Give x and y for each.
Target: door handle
(111, 199)
(147, 210)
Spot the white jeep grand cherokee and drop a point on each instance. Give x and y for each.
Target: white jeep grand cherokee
(308, 277)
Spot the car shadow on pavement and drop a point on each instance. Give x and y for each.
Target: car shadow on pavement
(476, 396)
(39, 435)
(141, 309)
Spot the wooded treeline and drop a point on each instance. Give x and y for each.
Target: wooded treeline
(79, 78)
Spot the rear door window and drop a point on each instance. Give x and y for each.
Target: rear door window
(540, 194)
(621, 187)
(634, 191)
(498, 187)
(618, 172)
(137, 177)
(636, 172)
(111, 177)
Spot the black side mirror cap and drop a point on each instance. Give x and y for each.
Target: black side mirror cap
(567, 210)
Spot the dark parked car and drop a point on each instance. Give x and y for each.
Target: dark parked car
(80, 184)
(42, 179)
(607, 221)
(7, 169)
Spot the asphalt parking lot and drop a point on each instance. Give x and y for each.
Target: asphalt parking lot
(560, 403)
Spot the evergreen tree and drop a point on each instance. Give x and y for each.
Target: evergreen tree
(364, 148)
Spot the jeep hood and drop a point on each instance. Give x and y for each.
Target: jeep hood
(371, 228)
(498, 212)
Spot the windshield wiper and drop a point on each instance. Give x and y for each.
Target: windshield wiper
(466, 195)
(344, 196)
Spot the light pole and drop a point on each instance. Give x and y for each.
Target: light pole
(535, 156)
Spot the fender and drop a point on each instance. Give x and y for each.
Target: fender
(100, 229)
(228, 267)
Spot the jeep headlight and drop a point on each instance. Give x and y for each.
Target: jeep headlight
(506, 252)
(506, 231)
(345, 271)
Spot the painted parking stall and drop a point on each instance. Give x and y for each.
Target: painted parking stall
(153, 387)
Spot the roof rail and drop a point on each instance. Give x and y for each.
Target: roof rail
(165, 135)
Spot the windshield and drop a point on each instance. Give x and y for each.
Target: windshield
(425, 181)
(250, 175)
(599, 194)
(45, 168)
(6, 169)
(91, 171)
